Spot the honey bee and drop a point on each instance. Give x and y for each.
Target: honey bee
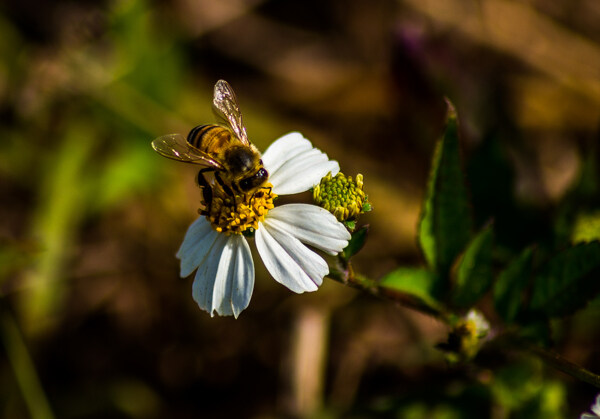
(222, 149)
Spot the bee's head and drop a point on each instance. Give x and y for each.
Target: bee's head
(246, 168)
(255, 181)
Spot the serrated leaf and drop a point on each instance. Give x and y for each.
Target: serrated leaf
(567, 281)
(357, 241)
(417, 283)
(445, 225)
(511, 282)
(474, 270)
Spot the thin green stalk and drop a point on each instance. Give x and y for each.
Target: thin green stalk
(25, 372)
(346, 275)
(555, 360)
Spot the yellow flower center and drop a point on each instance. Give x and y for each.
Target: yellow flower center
(235, 214)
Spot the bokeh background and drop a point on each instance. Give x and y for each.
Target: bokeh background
(96, 322)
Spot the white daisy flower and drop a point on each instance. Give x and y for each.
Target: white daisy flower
(595, 408)
(215, 246)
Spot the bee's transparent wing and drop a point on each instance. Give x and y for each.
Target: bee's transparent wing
(176, 147)
(227, 109)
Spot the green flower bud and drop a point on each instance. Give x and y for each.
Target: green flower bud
(342, 196)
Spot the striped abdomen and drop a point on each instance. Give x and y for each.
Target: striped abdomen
(210, 138)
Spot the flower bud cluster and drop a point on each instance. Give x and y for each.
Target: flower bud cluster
(342, 196)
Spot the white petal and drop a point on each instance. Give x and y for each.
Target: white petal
(204, 281)
(302, 173)
(295, 166)
(311, 225)
(284, 148)
(288, 260)
(197, 242)
(596, 406)
(234, 280)
(225, 279)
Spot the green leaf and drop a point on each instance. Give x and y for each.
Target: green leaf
(426, 234)
(511, 282)
(567, 281)
(357, 242)
(474, 270)
(445, 226)
(416, 283)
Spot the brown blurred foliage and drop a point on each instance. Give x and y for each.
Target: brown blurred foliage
(91, 218)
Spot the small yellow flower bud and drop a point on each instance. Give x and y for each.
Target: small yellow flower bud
(342, 196)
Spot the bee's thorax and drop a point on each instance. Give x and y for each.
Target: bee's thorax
(240, 159)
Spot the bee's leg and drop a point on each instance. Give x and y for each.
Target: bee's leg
(259, 193)
(206, 191)
(226, 188)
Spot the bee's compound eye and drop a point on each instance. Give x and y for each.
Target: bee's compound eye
(255, 180)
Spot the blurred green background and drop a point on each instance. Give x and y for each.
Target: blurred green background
(95, 320)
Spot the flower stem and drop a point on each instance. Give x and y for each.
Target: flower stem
(556, 361)
(347, 276)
